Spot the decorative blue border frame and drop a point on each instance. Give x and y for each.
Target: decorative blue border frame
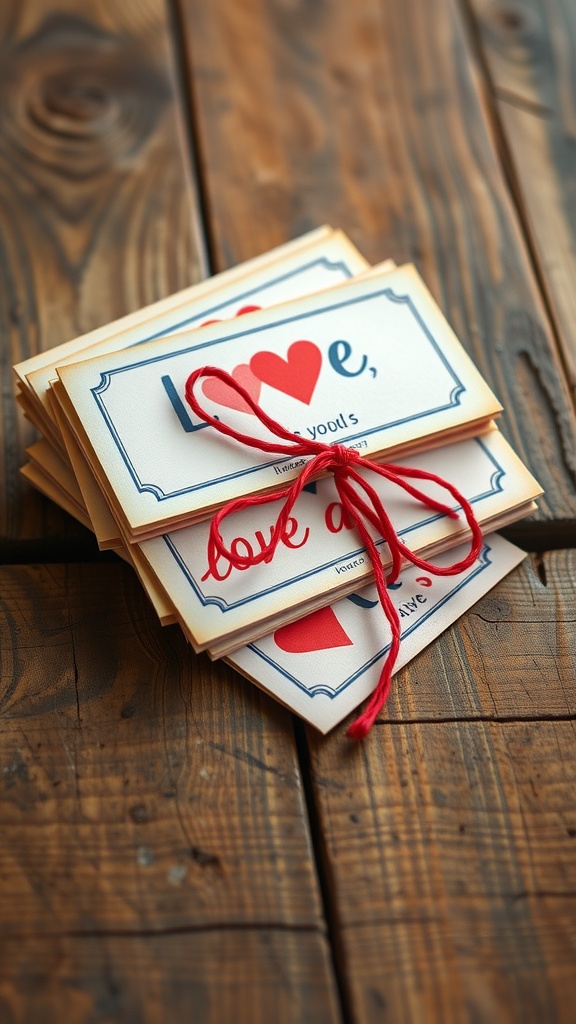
(332, 692)
(100, 389)
(224, 606)
(321, 261)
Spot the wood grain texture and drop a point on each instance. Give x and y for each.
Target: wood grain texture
(249, 977)
(530, 53)
(97, 207)
(141, 787)
(451, 853)
(156, 861)
(513, 655)
(373, 117)
(449, 846)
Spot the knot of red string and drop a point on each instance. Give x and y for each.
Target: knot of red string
(360, 501)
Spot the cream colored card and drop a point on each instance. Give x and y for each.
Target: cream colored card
(167, 305)
(303, 266)
(371, 363)
(103, 522)
(53, 465)
(320, 557)
(329, 259)
(323, 666)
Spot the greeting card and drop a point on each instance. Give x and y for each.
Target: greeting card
(320, 556)
(323, 261)
(310, 263)
(368, 365)
(324, 665)
(371, 363)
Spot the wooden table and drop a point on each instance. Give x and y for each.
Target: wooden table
(174, 846)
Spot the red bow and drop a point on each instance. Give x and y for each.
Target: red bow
(361, 502)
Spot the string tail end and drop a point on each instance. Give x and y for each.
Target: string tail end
(359, 729)
(362, 725)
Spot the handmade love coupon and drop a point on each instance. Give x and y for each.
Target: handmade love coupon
(371, 363)
(324, 665)
(316, 261)
(320, 555)
(156, 422)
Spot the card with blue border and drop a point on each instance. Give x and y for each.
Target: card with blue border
(371, 363)
(324, 665)
(303, 266)
(320, 556)
(313, 262)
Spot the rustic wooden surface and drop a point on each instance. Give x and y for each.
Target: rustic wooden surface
(131, 809)
(220, 975)
(175, 846)
(372, 115)
(451, 853)
(98, 211)
(530, 54)
(450, 844)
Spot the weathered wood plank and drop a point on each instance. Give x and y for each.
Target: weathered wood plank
(372, 117)
(513, 655)
(530, 51)
(449, 846)
(97, 209)
(451, 851)
(141, 787)
(249, 977)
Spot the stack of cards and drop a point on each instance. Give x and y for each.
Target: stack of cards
(337, 352)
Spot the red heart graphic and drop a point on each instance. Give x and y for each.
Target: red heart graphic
(222, 393)
(296, 375)
(316, 632)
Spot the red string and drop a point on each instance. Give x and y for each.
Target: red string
(360, 502)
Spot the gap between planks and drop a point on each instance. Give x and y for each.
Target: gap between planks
(192, 140)
(490, 91)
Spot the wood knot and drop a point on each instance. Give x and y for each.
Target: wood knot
(511, 18)
(515, 22)
(72, 105)
(517, 30)
(77, 100)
